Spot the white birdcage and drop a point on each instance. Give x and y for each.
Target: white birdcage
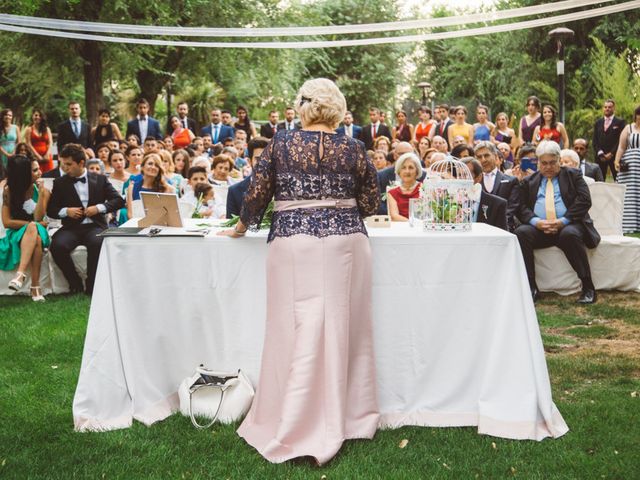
(447, 196)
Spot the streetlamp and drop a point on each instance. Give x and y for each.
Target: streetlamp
(426, 87)
(560, 34)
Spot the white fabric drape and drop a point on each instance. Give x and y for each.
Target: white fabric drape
(554, 20)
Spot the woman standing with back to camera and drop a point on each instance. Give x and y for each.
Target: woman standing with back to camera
(317, 384)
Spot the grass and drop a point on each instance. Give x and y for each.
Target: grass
(593, 355)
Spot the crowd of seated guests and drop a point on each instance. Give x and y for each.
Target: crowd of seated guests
(195, 163)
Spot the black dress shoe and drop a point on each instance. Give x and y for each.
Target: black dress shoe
(588, 296)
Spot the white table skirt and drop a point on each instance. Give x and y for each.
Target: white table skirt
(456, 335)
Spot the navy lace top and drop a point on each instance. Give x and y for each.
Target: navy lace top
(306, 165)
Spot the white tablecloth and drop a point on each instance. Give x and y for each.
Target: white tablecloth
(457, 339)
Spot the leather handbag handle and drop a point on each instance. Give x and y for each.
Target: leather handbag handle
(215, 417)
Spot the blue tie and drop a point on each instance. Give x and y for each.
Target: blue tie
(215, 134)
(76, 130)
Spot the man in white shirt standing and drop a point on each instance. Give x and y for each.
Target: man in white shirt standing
(144, 125)
(349, 128)
(289, 120)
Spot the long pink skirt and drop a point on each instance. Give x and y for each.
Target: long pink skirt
(317, 383)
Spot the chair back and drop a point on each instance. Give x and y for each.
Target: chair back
(607, 201)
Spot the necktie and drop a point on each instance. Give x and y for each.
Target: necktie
(550, 201)
(489, 181)
(76, 130)
(374, 130)
(607, 122)
(80, 179)
(215, 134)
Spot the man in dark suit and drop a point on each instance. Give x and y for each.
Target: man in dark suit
(73, 130)
(496, 182)
(289, 120)
(81, 199)
(488, 208)
(236, 192)
(554, 208)
(580, 146)
(216, 129)
(606, 135)
(269, 129)
(349, 128)
(374, 130)
(444, 122)
(55, 172)
(143, 125)
(183, 116)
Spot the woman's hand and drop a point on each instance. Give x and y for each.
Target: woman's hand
(231, 232)
(616, 164)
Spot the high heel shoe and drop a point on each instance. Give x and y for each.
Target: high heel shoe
(36, 294)
(16, 283)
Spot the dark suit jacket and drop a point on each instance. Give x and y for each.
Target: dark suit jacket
(66, 135)
(266, 130)
(235, 195)
(153, 128)
(385, 177)
(575, 195)
(225, 132)
(53, 173)
(506, 187)
(493, 210)
(593, 171)
(296, 125)
(100, 191)
(357, 130)
(445, 131)
(191, 125)
(607, 141)
(367, 139)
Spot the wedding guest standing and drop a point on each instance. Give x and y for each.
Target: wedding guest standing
(269, 129)
(460, 127)
(317, 383)
(82, 200)
(483, 128)
(627, 163)
(606, 136)
(244, 123)
(550, 128)
(183, 118)
(143, 125)
(106, 130)
(530, 121)
(403, 131)
(74, 130)
(426, 126)
(554, 212)
(349, 128)
(23, 209)
(9, 135)
(180, 135)
(38, 137)
(374, 130)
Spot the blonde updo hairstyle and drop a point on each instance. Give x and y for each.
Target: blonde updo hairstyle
(320, 101)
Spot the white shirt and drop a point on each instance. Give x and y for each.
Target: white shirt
(583, 168)
(76, 124)
(348, 130)
(290, 126)
(143, 125)
(82, 189)
(374, 128)
(489, 179)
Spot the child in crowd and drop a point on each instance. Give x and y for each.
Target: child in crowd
(208, 207)
(196, 176)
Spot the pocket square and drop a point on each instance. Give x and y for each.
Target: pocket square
(504, 181)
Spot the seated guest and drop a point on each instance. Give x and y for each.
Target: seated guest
(461, 151)
(379, 160)
(458, 140)
(424, 144)
(95, 165)
(152, 179)
(134, 140)
(387, 176)
(56, 172)
(102, 153)
(496, 182)
(23, 208)
(580, 146)
(554, 211)
(206, 204)
(382, 143)
(181, 162)
(170, 174)
(525, 158)
(409, 169)
(220, 169)
(236, 192)
(570, 159)
(134, 156)
(440, 144)
(82, 200)
(487, 208)
(119, 165)
(196, 175)
(150, 145)
(507, 155)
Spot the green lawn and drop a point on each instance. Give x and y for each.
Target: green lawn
(594, 360)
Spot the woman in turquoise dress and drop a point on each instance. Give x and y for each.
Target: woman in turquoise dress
(23, 209)
(9, 135)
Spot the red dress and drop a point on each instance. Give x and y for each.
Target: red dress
(422, 131)
(402, 199)
(549, 134)
(181, 139)
(40, 144)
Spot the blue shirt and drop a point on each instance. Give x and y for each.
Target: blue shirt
(539, 208)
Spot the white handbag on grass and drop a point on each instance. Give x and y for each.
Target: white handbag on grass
(215, 395)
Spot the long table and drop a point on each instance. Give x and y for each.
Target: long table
(456, 335)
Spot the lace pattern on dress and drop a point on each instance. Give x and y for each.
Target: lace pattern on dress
(292, 168)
